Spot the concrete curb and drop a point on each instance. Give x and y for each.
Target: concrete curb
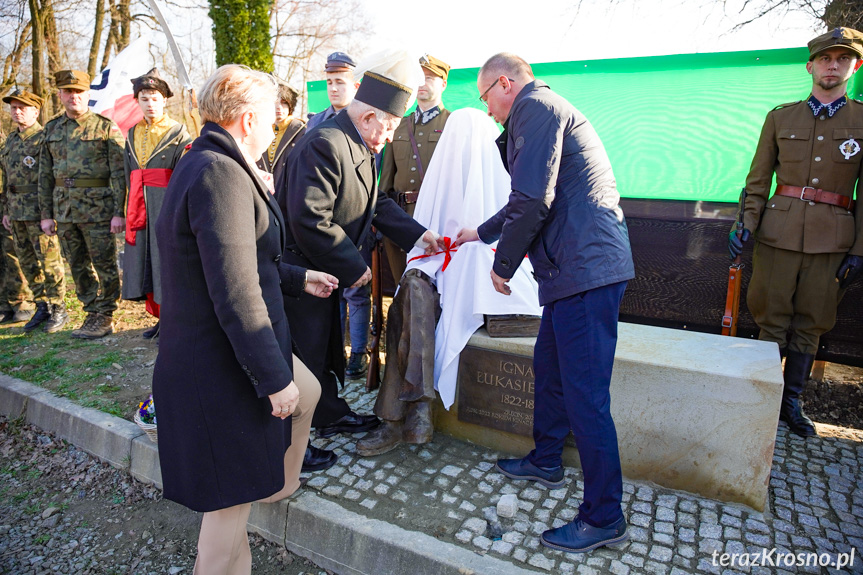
(321, 530)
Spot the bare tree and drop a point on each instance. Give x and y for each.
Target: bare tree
(305, 31)
(832, 13)
(97, 38)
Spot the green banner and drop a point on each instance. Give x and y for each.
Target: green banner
(680, 127)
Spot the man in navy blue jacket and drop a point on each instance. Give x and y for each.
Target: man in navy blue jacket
(563, 213)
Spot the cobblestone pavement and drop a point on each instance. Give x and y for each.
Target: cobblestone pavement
(449, 489)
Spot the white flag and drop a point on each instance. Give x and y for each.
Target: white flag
(111, 94)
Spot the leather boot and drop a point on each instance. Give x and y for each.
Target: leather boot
(797, 368)
(42, 314)
(57, 318)
(418, 423)
(95, 326)
(21, 315)
(152, 332)
(385, 437)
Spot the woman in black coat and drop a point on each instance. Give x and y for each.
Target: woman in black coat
(225, 380)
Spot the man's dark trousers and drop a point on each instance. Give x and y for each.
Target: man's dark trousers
(573, 359)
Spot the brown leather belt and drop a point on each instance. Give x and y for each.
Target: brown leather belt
(408, 197)
(810, 194)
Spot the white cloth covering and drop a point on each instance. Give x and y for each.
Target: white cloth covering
(466, 184)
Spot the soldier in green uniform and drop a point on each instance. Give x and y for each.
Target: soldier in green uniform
(407, 158)
(14, 293)
(809, 233)
(82, 193)
(38, 254)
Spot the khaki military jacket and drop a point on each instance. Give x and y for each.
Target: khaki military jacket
(804, 150)
(81, 176)
(19, 164)
(399, 172)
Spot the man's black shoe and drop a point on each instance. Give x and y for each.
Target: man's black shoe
(357, 365)
(6, 316)
(151, 332)
(350, 423)
(317, 459)
(580, 537)
(42, 313)
(524, 469)
(58, 318)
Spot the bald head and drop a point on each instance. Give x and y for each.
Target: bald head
(509, 65)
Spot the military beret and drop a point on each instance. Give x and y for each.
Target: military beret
(435, 66)
(339, 62)
(75, 79)
(838, 38)
(151, 81)
(25, 97)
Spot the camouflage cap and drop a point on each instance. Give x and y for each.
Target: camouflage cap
(152, 80)
(25, 97)
(340, 62)
(75, 79)
(839, 37)
(435, 66)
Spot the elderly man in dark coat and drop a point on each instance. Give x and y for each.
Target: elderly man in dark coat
(333, 199)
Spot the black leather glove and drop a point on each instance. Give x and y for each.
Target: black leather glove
(849, 269)
(735, 244)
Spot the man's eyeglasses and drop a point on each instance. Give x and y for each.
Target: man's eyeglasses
(493, 84)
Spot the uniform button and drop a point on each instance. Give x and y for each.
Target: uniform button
(792, 136)
(276, 222)
(815, 180)
(413, 169)
(419, 145)
(415, 156)
(822, 117)
(277, 258)
(412, 181)
(420, 134)
(817, 158)
(820, 138)
(360, 248)
(772, 205)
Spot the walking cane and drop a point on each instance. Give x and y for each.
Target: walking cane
(735, 271)
(373, 378)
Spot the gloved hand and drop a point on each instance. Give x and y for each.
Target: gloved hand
(849, 269)
(735, 244)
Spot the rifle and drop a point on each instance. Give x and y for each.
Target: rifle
(735, 271)
(373, 378)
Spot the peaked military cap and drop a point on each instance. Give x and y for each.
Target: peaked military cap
(339, 62)
(838, 37)
(75, 79)
(25, 97)
(435, 66)
(151, 81)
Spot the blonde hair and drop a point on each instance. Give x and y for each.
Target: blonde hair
(232, 90)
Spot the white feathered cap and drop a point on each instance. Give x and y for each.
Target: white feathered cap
(390, 80)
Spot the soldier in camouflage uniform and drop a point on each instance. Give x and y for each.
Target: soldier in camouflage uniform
(82, 194)
(38, 254)
(14, 293)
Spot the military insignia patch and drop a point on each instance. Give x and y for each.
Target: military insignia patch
(519, 142)
(29, 161)
(849, 148)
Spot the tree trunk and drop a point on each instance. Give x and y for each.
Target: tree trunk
(92, 63)
(125, 18)
(37, 55)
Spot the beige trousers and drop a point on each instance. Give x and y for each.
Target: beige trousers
(223, 546)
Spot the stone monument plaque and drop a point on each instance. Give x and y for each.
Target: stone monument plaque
(495, 390)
